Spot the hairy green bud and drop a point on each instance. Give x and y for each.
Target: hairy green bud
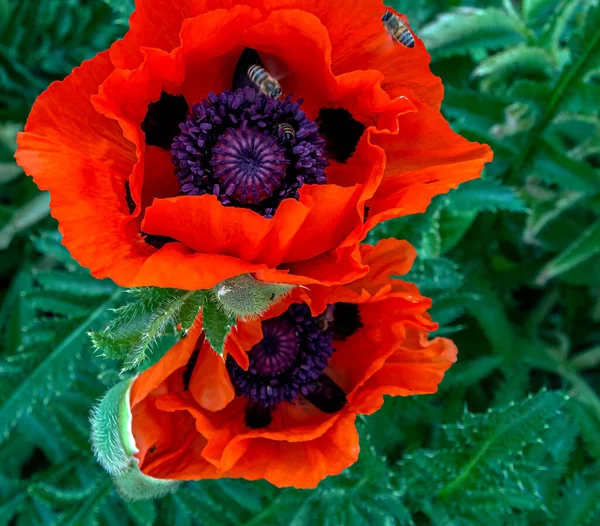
(245, 297)
(112, 439)
(134, 485)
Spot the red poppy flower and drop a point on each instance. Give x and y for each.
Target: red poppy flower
(167, 166)
(282, 405)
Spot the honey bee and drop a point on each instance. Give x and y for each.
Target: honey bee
(397, 29)
(288, 132)
(326, 319)
(265, 82)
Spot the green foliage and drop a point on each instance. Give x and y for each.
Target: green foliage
(216, 322)
(511, 263)
(137, 326)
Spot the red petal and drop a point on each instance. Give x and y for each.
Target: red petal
(424, 158)
(417, 367)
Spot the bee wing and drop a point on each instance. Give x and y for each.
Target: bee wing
(275, 67)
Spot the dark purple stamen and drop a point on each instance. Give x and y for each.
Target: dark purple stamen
(288, 363)
(249, 165)
(231, 146)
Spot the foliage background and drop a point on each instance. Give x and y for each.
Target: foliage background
(511, 262)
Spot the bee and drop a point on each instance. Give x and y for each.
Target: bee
(395, 27)
(265, 82)
(326, 319)
(287, 131)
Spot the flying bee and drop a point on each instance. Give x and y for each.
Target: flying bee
(287, 131)
(397, 29)
(265, 82)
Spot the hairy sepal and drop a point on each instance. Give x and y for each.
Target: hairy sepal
(246, 297)
(112, 437)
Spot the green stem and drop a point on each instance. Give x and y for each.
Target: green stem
(563, 85)
(586, 359)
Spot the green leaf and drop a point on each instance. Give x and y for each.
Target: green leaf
(122, 8)
(469, 29)
(36, 385)
(461, 477)
(583, 248)
(483, 195)
(553, 165)
(454, 224)
(138, 325)
(521, 60)
(216, 322)
(24, 218)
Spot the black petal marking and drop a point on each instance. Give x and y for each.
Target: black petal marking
(129, 199)
(161, 123)
(327, 396)
(189, 369)
(249, 57)
(257, 415)
(340, 131)
(346, 320)
(157, 241)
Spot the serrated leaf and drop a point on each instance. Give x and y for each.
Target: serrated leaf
(582, 249)
(216, 323)
(138, 325)
(75, 284)
(433, 276)
(454, 224)
(520, 60)
(484, 195)
(469, 29)
(28, 393)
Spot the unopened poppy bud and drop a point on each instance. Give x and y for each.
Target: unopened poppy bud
(134, 485)
(112, 440)
(246, 297)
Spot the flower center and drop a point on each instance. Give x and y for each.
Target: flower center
(277, 350)
(249, 150)
(288, 361)
(248, 164)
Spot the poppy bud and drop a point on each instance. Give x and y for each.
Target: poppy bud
(246, 297)
(134, 485)
(112, 439)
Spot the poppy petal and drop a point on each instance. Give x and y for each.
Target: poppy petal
(295, 232)
(300, 464)
(176, 357)
(424, 158)
(210, 385)
(417, 367)
(359, 41)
